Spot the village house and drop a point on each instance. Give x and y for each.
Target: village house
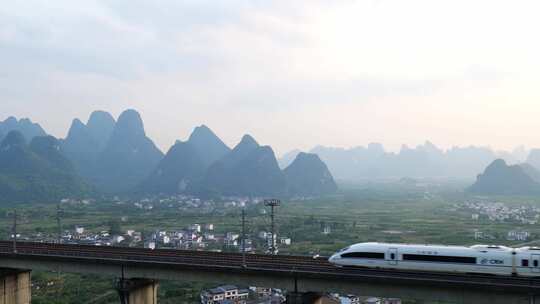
(195, 227)
(150, 245)
(79, 229)
(224, 294)
(327, 230)
(262, 292)
(517, 235)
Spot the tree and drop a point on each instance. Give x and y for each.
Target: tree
(114, 227)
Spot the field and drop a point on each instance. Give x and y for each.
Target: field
(384, 213)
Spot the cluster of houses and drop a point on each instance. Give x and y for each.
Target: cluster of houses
(481, 210)
(188, 204)
(512, 235)
(74, 201)
(180, 202)
(335, 298)
(194, 237)
(184, 203)
(516, 235)
(352, 299)
(231, 294)
(500, 212)
(198, 236)
(79, 235)
(481, 235)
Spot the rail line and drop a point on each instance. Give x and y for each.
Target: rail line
(299, 266)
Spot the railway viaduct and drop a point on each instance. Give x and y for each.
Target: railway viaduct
(139, 271)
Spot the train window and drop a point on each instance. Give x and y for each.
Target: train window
(525, 263)
(535, 263)
(392, 256)
(439, 258)
(365, 255)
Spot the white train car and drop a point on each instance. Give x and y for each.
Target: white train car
(527, 261)
(486, 259)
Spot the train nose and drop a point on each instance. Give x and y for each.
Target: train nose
(333, 258)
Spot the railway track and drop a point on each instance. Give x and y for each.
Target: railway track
(136, 253)
(299, 265)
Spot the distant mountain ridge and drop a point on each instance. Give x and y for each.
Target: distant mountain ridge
(37, 172)
(286, 159)
(24, 125)
(531, 171)
(248, 169)
(128, 157)
(308, 175)
(85, 142)
(100, 127)
(501, 179)
(534, 158)
(185, 163)
(117, 157)
(424, 161)
(179, 169)
(206, 143)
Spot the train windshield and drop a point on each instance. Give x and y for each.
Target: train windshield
(344, 249)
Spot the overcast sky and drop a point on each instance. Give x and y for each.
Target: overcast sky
(291, 73)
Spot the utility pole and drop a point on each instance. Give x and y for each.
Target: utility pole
(14, 231)
(244, 238)
(59, 214)
(272, 203)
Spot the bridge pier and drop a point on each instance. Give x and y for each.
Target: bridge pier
(137, 291)
(15, 287)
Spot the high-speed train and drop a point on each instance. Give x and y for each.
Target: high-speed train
(485, 259)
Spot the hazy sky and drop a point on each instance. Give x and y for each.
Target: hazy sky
(291, 73)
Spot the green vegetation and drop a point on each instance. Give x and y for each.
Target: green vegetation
(384, 214)
(55, 288)
(115, 228)
(36, 171)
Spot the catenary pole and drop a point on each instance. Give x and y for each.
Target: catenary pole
(272, 203)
